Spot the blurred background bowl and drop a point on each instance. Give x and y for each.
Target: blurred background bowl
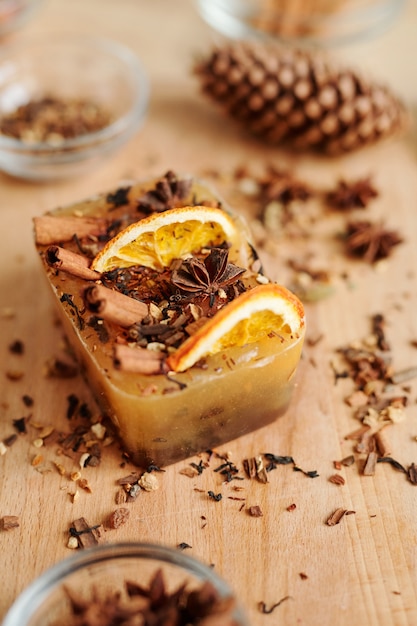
(301, 22)
(102, 74)
(15, 13)
(103, 571)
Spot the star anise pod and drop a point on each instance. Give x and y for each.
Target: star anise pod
(369, 241)
(283, 186)
(352, 195)
(168, 192)
(206, 277)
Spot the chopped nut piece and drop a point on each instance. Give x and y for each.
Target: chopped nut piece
(99, 430)
(117, 518)
(83, 484)
(37, 460)
(60, 468)
(337, 479)
(148, 482)
(72, 543)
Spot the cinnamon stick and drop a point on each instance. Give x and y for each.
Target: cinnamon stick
(70, 262)
(138, 360)
(114, 306)
(382, 443)
(51, 229)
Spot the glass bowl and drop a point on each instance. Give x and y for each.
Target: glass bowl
(97, 574)
(98, 87)
(302, 22)
(15, 13)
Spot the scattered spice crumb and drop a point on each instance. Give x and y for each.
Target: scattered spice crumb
(134, 604)
(9, 522)
(337, 479)
(148, 482)
(17, 347)
(335, 517)
(255, 511)
(15, 374)
(217, 497)
(117, 518)
(86, 534)
(291, 507)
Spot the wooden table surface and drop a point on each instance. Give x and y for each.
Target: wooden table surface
(361, 571)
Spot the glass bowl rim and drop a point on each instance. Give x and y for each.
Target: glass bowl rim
(139, 83)
(32, 597)
(388, 11)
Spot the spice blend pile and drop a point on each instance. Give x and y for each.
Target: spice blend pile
(52, 120)
(153, 605)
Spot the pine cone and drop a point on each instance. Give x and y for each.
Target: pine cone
(299, 98)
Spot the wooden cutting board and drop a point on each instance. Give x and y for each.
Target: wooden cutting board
(360, 571)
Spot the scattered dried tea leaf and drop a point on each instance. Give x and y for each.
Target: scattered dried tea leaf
(412, 473)
(268, 610)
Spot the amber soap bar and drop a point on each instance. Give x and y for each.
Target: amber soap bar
(161, 418)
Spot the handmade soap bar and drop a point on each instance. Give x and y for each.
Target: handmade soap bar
(127, 323)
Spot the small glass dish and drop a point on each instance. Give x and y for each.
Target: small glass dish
(15, 13)
(301, 22)
(79, 75)
(99, 574)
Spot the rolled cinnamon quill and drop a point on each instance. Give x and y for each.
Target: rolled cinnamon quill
(70, 262)
(138, 360)
(113, 306)
(51, 229)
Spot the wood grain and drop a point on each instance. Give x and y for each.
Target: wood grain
(360, 571)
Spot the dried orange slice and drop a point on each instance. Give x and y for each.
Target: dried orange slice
(158, 239)
(253, 315)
